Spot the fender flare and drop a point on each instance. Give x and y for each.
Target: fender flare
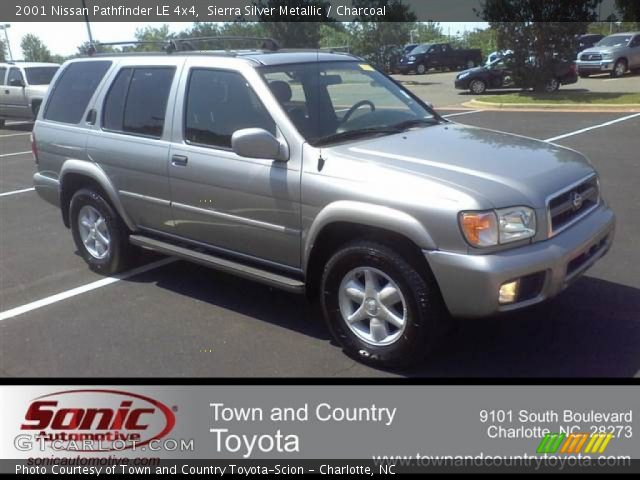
(94, 172)
(370, 215)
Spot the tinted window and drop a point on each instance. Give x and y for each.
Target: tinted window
(14, 74)
(40, 75)
(73, 90)
(3, 72)
(113, 112)
(218, 104)
(137, 101)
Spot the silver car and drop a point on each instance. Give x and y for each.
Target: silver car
(22, 88)
(314, 172)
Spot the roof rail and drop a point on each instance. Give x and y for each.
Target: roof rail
(171, 45)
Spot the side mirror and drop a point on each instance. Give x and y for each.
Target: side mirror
(258, 143)
(16, 82)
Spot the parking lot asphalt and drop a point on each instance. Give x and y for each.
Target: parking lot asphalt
(438, 87)
(181, 319)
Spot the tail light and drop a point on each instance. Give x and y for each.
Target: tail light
(34, 147)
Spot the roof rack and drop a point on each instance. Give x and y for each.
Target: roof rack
(180, 44)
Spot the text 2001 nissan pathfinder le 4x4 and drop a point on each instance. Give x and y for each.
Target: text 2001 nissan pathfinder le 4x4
(313, 171)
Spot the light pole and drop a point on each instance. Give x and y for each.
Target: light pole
(6, 36)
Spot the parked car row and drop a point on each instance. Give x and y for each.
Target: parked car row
(615, 54)
(438, 55)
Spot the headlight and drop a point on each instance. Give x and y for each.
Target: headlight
(412, 58)
(607, 55)
(493, 227)
(463, 75)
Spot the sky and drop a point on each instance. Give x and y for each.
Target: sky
(63, 38)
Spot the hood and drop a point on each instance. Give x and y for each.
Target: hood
(472, 70)
(595, 49)
(500, 168)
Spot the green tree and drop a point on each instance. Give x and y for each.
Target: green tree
(484, 39)
(373, 35)
(425, 32)
(336, 34)
(297, 34)
(84, 47)
(629, 11)
(34, 50)
(3, 52)
(155, 35)
(530, 28)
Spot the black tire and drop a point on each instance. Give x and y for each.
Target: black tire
(585, 75)
(426, 317)
(117, 256)
(421, 69)
(477, 87)
(618, 70)
(1, 123)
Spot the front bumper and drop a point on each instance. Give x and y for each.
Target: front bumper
(462, 83)
(598, 66)
(470, 283)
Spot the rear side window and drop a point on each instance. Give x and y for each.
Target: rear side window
(137, 101)
(15, 75)
(73, 90)
(218, 104)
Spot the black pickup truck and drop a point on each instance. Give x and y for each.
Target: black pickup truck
(439, 55)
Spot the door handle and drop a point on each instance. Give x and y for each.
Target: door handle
(179, 160)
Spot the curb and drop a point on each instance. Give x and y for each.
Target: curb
(565, 107)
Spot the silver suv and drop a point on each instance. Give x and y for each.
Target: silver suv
(314, 172)
(22, 88)
(615, 54)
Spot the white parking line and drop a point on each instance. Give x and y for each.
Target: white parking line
(14, 154)
(461, 113)
(15, 135)
(606, 124)
(14, 192)
(14, 312)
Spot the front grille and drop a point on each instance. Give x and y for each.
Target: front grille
(573, 203)
(588, 57)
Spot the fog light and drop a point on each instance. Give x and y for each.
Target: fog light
(508, 292)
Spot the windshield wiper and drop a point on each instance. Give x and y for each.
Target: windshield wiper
(415, 122)
(352, 134)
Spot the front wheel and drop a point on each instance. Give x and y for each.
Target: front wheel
(378, 307)
(619, 69)
(477, 87)
(421, 69)
(98, 232)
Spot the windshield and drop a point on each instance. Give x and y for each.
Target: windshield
(420, 49)
(333, 101)
(614, 41)
(40, 75)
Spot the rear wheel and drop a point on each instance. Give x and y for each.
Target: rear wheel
(378, 307)
(98, 232)
(421, 69)
(477, 87)
(584, 75)
(619, 69)
(552, 85)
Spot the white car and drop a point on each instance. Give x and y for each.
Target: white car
(22, 88)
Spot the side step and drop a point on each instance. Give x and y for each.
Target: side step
(252, 273)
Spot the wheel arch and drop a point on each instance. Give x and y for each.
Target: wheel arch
(76, 174)
(344, 221)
